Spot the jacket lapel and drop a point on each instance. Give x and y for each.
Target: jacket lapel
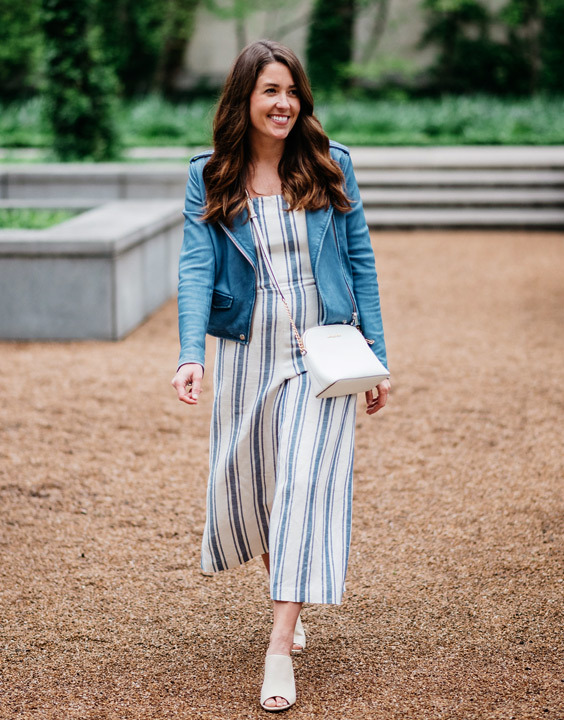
(317, 222)
(242, 236)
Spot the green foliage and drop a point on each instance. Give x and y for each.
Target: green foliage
(20, 47)
(236, 9)
(330, 43)
(523, 55)
(80, 89)
(552, 45)
(22, 124)
(144, 40)
(467, 58)
(32, 219)
(154, 121)
(449, 120)
(381, 71)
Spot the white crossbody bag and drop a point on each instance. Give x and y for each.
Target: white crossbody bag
(337, 357)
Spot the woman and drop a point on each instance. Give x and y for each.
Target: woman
(280, 480)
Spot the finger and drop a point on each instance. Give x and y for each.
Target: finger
(379, 402)
(179, 385)
(183, 386)
(196, 387)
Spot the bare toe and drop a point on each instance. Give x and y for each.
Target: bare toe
(276, 702)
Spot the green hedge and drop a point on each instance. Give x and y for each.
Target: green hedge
(451, 120)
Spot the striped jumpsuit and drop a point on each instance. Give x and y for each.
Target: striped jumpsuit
(281, 459)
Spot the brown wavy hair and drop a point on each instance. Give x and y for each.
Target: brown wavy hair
(311, 179)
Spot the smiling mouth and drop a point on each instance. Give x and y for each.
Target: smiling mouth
(283, 119)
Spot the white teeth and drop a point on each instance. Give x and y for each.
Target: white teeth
(279, 118)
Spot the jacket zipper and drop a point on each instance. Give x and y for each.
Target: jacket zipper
(354, 320)
(234, 241)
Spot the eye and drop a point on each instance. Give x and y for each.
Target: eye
(293, 93)
(270, 90)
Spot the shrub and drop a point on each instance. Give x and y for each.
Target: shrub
(330, 43)
(552, 45)
(80, 90)
(21, 47)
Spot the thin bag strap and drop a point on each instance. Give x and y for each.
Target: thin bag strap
(270, 270)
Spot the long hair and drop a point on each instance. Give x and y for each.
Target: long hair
(310, 178)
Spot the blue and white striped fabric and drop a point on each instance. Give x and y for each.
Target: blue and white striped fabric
(280, 459)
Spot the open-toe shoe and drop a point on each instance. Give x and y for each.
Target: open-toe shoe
(278, 682)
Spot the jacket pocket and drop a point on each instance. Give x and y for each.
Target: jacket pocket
(221, 301)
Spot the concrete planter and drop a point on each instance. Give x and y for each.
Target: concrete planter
(95, 276)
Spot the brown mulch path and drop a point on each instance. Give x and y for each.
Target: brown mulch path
(454, 602)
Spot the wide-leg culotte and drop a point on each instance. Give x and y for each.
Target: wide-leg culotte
(281, 459)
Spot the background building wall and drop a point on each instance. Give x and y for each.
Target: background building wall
(216, 41)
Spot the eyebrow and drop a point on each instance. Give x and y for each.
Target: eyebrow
(273, 84)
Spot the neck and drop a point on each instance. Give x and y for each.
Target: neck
(265, 151)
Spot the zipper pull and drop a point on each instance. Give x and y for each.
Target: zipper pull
(354, 319)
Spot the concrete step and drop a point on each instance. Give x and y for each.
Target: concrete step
(460, 178)
(481, 156)
(463, 197)
(48, 204)
(436, 217)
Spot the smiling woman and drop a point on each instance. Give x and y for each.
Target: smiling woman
(310, 178)
(280, 482)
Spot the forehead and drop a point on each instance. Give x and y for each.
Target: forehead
(275, 73)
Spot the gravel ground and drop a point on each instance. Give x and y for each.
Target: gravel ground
(454, 594)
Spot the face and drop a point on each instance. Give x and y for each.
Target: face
(274, 104)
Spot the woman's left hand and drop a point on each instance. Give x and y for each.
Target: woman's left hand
(373, 404)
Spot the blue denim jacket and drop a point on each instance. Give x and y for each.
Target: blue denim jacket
(217, 270)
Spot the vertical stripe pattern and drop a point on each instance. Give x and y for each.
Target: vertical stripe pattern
(281, 459)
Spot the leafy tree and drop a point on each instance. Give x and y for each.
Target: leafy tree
(521, 19)
(145, 40)
(330, 43)
(20, 47)
(466, 59)
(552, 45)
(80, 89)
(528, 57)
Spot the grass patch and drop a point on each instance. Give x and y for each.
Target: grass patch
(32, 218)
(449, 120)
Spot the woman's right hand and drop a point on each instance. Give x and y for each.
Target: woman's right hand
(188, 382)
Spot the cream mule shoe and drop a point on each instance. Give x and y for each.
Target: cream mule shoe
(299, 637)
(278, 682)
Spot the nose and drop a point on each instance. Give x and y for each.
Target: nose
(282, 101)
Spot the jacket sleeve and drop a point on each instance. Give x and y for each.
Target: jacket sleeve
(196, 273)
(361, 256)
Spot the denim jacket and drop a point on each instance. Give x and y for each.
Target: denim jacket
(218, 266)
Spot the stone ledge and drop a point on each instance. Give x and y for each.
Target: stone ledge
(95, 276)
(104, 231)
